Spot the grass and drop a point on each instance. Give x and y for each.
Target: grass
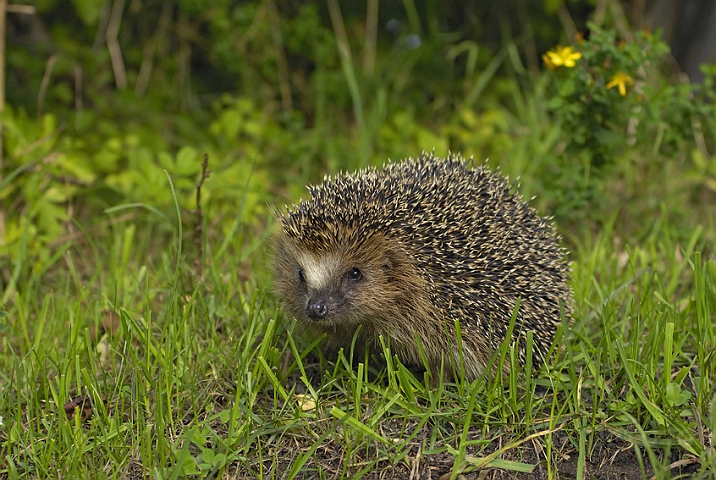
(175, 375)
(129, 351)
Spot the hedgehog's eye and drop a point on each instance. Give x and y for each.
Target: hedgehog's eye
(301, 275)
(354, 274)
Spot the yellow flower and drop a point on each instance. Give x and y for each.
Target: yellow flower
(559, 56)
(620, 80)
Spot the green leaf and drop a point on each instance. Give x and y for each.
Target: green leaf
(508, 465)
(188, 161)
(675, 396)
(89, 11)
(567, 88)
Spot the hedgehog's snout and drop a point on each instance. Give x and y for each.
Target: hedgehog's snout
(316, 309)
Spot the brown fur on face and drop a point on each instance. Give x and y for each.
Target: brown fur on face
(389, 299)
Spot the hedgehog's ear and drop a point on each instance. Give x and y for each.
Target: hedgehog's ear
(388, 263)
(391, 261)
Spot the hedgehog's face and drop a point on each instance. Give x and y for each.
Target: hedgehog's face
(344, 286)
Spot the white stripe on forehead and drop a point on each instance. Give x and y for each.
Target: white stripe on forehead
(318, 269)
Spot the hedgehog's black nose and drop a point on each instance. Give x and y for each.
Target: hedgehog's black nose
(316, 309)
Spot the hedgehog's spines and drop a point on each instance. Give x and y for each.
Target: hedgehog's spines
(435, 240)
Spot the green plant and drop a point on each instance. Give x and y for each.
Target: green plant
(615, 105)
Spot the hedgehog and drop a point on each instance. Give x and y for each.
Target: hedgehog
(415, 250)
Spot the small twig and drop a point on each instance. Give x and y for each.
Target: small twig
(184, 61)
(45, 83)
(115, 52)
(621, 24)
(151, 48)
(530, 46)
(78, 92)
(599, 12)
(50, 136)
(415, 467)
(22, 9)
(567, 21)
(256, 25)
(680, 463)
(344, 51)
(100, 37)
(371, 35)
(205, 173)
(199, 228)
(699, 137)
(339, 29)
(637, 14)
(145, 69)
